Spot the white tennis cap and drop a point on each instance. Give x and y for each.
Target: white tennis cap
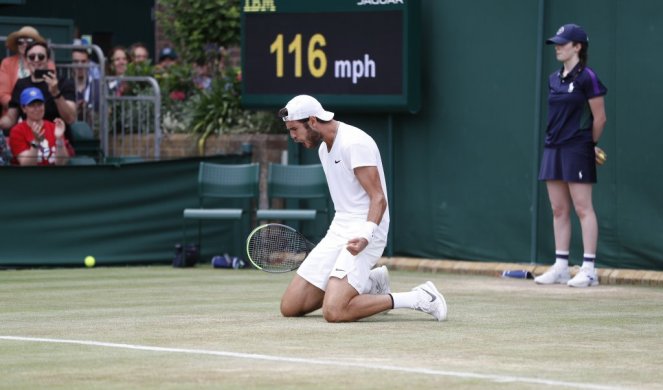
(304, 106)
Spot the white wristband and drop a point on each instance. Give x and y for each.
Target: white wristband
(368, 230)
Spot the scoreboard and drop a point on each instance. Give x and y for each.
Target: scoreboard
(350, 54)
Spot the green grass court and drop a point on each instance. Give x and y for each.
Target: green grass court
(163, 328)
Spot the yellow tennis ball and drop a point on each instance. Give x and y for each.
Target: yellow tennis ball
(90, 261)
(601, 157)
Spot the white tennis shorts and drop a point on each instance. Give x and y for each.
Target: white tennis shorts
(331, 259)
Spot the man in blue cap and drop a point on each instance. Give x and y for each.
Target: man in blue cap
(36, 141)
(167, 57)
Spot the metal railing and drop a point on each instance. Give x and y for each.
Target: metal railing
(134, 121)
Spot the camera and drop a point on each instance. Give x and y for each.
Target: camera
(40, 73)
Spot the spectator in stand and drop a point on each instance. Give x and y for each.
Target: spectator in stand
(167, 57)
(36, 141)
(16, 66)
(139, 53)
(59, 94)
(119, 58)
(87, 87)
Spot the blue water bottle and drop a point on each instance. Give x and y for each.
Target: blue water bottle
(517, 274)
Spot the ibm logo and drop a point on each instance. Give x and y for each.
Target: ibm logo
(259, 6)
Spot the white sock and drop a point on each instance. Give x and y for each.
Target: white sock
(562, 259)
(405, 299)
(588, 261)
(561, 263)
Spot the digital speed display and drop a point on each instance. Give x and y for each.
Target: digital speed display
(351, 54)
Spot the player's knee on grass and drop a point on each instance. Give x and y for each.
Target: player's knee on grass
(301, 303)
(287, 311)
(333, 314)
(290, 308)
(336, 310)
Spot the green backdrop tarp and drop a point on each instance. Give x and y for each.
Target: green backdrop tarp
(118, 213)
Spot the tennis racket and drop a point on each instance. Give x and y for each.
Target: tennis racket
(277, 248)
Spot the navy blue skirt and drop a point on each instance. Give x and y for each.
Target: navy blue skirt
(572, 163)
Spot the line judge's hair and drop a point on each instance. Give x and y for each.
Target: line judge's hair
(583, 55)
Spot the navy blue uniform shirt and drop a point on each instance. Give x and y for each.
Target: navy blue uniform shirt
(569, 116)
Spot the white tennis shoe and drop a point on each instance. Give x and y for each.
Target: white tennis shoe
(555, 274)
(584, 278)
(380, 278)
(431, 301)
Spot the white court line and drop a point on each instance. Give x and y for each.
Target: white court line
(251, 356)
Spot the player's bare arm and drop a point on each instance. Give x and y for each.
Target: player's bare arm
(369, 178)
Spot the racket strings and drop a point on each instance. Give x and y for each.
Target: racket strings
(278, 248)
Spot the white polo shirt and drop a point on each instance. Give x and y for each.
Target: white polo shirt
(352, 148)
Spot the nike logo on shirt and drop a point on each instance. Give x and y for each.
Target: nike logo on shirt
(337, 161)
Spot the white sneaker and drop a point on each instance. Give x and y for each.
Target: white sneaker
(555, 274)
(584, 278)
(380, 278)
(431, 301)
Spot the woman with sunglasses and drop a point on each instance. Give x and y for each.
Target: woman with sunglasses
(59, 95)
(16, 66)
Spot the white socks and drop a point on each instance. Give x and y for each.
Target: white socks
(562, 259)
(588, 260)
(405, 299)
